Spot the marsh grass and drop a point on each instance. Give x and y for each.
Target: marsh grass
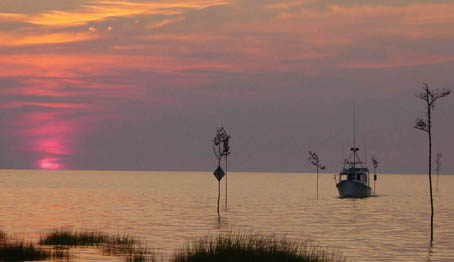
(113, 245)
(18, 250)
(60, 253)
(225, 247)
(3, 236)
(64, 237)
(237, 247)
(141, 254)
(134, 253)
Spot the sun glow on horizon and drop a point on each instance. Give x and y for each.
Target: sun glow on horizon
(49, 163)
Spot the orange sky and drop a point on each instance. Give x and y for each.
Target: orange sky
(101, 84)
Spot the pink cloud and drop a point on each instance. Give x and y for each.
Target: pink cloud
(401, 61)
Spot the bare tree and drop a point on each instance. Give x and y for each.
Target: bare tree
(438, 162)
(314, 160)
(375, 163)
(429, 96)
(225, 153)
(218, 143)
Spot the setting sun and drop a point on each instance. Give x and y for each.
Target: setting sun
(49, 163)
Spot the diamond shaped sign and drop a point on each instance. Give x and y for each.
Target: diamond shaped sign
(219, 173)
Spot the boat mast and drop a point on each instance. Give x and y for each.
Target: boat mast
(354, 135)
(365, 156)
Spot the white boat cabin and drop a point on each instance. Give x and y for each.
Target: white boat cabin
(360, 175)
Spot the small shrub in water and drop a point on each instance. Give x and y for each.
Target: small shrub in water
(73, 238)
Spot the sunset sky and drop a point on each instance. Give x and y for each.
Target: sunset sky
(142, 85)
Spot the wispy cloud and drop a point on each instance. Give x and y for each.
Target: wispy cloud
(286, 5)
(165, 22)
(24, 39)
(102, 10)
(401, 61)
(12, 17)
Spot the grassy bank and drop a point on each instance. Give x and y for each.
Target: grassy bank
(226, 247)
(250, 248)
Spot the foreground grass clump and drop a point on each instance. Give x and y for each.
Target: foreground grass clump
(65, 237)
(14, 250)
(22, 252)
(116, 245)
(252, 248)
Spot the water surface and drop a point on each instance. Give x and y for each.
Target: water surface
(165, 209)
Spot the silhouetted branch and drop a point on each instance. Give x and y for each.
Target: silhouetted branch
(218, 143)
(314, 160)
(430, 96)
(225, 144)
(421, 124)
(374, 162)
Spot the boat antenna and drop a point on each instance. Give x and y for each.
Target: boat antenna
(365, 155)
(354, 149)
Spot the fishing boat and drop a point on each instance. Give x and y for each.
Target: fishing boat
(354, 177)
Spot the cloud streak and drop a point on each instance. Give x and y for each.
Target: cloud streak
(102, 10)
(21, 39)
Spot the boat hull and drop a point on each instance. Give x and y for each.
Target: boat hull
(353, 189)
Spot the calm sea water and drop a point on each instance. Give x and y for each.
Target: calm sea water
(166, 209)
